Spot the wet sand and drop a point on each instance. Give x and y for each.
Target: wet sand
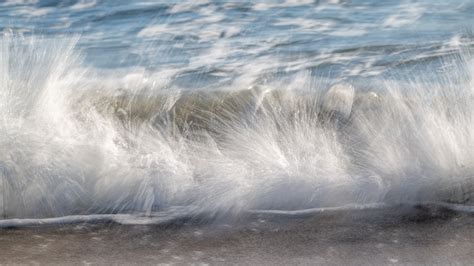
(363, 237)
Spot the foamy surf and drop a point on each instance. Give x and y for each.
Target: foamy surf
(72, 145)
(175, 214)
(191, 214)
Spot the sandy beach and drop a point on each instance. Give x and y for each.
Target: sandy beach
(365, 237)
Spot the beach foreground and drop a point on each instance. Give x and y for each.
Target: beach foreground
(402, 235)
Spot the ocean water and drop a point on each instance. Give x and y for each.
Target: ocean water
(149, 111)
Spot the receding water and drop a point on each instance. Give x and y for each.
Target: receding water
(172, 109)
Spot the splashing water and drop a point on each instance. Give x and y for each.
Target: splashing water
(74, 144)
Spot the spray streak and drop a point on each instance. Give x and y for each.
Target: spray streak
(71, 147)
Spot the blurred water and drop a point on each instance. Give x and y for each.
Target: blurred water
(217, 107)
(204, 42)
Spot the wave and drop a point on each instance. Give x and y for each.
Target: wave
(74, 142)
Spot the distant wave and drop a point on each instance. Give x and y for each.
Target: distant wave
(70, 145)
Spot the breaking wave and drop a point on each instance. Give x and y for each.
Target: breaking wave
(75, 141)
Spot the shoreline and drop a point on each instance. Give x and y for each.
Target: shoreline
(371, 236)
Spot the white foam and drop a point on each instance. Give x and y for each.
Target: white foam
(20, 2)
(313, 211)
(34, 12)
(306, 24)
(157, 218)
(61, 155)
(349, 32)
(153, 30)
(406, 14)
(180, 213)
(186, 6)
(84, 4)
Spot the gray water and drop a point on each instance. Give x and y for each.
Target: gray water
(162, 108)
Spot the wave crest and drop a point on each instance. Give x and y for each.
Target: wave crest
(71, 145)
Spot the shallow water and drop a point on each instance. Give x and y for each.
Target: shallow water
(402, 235)
(221, 109)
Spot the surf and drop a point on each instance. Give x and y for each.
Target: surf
(72, 145)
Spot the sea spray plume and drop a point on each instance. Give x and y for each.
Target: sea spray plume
(417, 137)
(72, 146)
(238, 152)
(283, 156)
(40, 178)
(144, 171)
(60, 154)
